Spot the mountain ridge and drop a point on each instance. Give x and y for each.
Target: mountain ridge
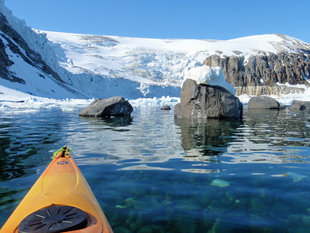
(165, 61)
(83, 65)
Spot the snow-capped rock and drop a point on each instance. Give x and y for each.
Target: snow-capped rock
(212, 76)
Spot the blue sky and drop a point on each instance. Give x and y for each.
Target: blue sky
(196, 19)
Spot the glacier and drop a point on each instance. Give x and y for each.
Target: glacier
(93, 66)
(155, 62)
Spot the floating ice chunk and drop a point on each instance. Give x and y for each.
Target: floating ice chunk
(165, 100)
(212, 76)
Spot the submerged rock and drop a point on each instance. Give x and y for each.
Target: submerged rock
(114, 106)
(220, 183)
(204, 101)
(263, 102)
(296, 177)
(130, 202)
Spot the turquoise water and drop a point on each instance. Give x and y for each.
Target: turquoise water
(152, 173)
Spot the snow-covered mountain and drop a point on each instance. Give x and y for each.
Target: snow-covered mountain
(26, 61)
(156, 61)
(160, 62)
(66, 65)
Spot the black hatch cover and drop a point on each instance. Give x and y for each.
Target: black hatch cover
(54, 219)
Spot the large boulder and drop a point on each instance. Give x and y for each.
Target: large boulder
(114, 106)
(300, 105)
(263, 102)
(203, 101)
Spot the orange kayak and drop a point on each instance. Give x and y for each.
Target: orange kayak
(60, 201)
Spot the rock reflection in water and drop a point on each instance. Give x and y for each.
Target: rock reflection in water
(206, 140)
(136, 143)
(109, 121)
(270, 136)
(259, 115)
(278, 128)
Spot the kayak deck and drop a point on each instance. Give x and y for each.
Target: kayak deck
(62, 183)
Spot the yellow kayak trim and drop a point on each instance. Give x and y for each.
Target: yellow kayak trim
(62, 183)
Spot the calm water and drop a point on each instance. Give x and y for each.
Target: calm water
(151, 173)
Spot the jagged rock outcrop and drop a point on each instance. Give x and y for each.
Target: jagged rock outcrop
(114, 106)
(4, 61)
(259, 74)
(14, 41)
(203, 101)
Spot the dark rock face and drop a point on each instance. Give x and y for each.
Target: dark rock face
(259, 74)
(12, 40)
(5, 62)
(263, 102)
(300, 105)
(114, 106)
(204, 101)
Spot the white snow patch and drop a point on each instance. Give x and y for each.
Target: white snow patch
(284, 100)
(165, 100)
(244, 99)
(212, 76)
(288, 98)
(12, 101)
(302, 86)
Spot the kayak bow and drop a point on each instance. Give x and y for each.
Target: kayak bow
(60, 201)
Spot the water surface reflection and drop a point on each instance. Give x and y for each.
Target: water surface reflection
(206, 140)
(152, 173)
